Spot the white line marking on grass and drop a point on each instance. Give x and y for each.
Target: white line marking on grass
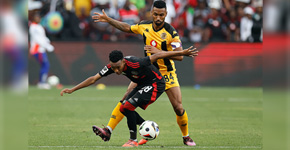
(166, 147)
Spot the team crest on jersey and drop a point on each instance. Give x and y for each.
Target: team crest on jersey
(153, 43)
(163, 36)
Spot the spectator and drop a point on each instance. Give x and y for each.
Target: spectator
(233, 26)
(215, 28)
(201, 13)
(257, 28)
(129, 13)
(246, 25)
(171, 14)
(101, 31)
(82, 8)
(39, 45)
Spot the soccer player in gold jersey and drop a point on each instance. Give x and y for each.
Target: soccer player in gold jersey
(163, 36)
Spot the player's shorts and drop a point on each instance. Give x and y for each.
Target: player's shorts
(170, 78)
(144, 95)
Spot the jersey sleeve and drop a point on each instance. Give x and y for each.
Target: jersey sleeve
(175, 42)
(135, 29)
(106, 71)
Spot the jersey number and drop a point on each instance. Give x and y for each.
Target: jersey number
(145, 89)
(168, 79)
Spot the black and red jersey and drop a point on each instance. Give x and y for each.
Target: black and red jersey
(138, 70)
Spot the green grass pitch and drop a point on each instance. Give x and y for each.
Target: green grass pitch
(219, 118)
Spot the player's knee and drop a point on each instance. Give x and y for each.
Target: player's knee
(122, 109)
(127, 106)
(178, 110)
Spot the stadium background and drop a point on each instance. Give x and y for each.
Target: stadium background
(82, 46)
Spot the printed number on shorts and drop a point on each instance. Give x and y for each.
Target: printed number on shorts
(168, 79)
(145, 89)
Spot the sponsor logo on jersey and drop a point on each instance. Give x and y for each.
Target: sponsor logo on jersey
(153, 43)
(135, 76)
(163, 36)
(134, 72)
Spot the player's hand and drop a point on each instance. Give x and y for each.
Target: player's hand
(100, 17)
(151, 49)
(191, 52)
(69, 91)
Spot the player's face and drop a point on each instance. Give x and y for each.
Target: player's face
(158, 15)
(118, 66)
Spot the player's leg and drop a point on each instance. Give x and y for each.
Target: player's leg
(44, 69)
(155, 92)
(174, 95)
(116, 117)
(147, 95)
(128, 109)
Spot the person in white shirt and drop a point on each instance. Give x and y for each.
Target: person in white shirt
(247, 24)
(39, 45)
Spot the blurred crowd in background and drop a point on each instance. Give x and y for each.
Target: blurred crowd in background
(194, 20)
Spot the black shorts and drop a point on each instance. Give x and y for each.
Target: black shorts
(145, 94)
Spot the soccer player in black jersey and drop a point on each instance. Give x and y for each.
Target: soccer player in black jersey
(163, 36)
(150, 85)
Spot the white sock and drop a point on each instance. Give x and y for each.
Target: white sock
(110, 129)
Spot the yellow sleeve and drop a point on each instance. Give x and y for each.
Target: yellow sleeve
(135, 29)
(175, 37)
(175, 41)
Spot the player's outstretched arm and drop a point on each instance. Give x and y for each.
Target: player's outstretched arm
(89, 81)
(191, 52)
(117, 24)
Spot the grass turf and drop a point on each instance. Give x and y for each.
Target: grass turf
(219, 118)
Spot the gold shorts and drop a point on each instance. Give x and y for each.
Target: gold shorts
(170, 79)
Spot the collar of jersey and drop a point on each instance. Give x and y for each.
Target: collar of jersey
(159, 29)
(125, 67)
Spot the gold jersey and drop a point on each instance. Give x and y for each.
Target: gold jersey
(164, 39)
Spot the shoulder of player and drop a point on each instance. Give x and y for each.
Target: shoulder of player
(133, 59)
(170, 29)
(145, 22)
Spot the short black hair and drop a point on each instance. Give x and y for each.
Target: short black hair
(115, 56)
(159, 4)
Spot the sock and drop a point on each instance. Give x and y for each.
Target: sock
(116, 117)
(131, 122)
(182, 121)
(110, 129)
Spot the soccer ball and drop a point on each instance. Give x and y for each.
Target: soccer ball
(149, 130)
(53, 80)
